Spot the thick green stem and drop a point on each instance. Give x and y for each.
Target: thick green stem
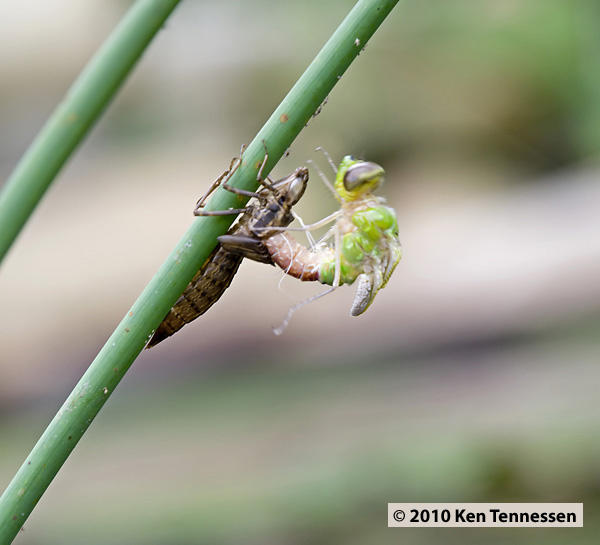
(145, 315)
(71, 120)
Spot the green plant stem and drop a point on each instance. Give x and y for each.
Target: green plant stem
(131, 335)
(73, 117)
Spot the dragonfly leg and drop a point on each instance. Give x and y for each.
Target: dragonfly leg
(311, 239)
(238, 191)
(266, 182)
(310, 226)
(201, 201)
(281, 327)
(328, 157)
(338, 259)
(226, 176)
(228, 212)
(324, 178)
(325, 237)
(235, 163)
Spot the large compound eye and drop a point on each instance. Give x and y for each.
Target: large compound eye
(363, 174)
(296, 190)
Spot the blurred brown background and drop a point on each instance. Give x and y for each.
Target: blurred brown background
(473, 377)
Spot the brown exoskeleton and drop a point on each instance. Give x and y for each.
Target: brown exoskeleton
(270, 207)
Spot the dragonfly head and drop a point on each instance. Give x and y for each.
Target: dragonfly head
(292, 187)
(355, 178)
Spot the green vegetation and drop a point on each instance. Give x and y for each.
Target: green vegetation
(121, 349)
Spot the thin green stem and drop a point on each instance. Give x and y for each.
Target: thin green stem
(73, 117)
(131, 335)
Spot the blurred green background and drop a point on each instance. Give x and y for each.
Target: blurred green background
(472, 378)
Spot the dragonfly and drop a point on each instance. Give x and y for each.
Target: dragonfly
(366, 246)
(270, 208)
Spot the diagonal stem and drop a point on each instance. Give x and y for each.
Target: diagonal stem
(77, 112)
(130, 336)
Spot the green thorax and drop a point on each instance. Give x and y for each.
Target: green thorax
(372, 226)
(364, 247)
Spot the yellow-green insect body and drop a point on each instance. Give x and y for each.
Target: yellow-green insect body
(366, 231)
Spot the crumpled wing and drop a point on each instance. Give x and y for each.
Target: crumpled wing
(368, 286)
(395, 254)
(370, 283)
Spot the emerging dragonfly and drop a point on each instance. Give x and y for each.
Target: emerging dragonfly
(366, 239)
(271, 208)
